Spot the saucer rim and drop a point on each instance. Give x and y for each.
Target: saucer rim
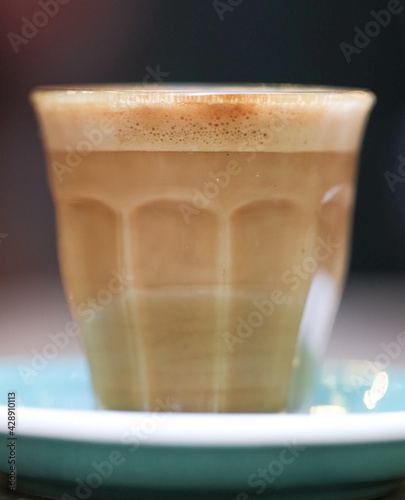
(198, 429)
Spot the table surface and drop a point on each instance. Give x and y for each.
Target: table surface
(372, 311)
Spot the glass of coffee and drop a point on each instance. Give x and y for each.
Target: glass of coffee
(203, 236)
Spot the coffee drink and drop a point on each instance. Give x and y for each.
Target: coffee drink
(203, 235)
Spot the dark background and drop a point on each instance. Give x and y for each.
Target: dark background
(280, 41)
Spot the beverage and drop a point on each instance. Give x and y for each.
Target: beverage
(193, 227)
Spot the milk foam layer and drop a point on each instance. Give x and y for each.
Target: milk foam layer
(210, 118)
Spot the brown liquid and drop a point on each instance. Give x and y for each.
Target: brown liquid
(192, 275)
(215, 255)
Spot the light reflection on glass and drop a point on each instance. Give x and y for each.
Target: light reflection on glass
(377, 390)
(327, 410)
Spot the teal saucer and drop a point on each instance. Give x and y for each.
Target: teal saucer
(348, 443)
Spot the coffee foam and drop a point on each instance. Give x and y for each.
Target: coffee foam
(210, 118)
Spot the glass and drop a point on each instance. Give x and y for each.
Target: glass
(203, 236)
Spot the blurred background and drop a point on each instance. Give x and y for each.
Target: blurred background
(318, 42)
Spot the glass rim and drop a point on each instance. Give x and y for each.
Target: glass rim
(202, 89)
(138, 111)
